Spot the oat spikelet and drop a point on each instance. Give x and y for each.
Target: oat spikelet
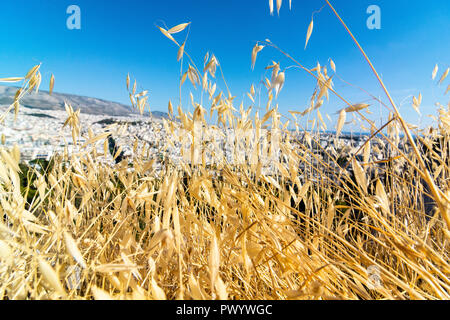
(16, 109)
(267, 116)
(180, 52)
(73, 249)
(100, 294)
(134, 88)
(257, 48)
(357, 107)
(359, 175)
(416, 103)
(52, 84)
(205, 81)
(250, 97)
(168, 35)
(193, 76)
(366, 155)
(333, 66)
(51, 276)
(435, 70)
(214, 262)
(158, 293)
(178, 28)
(183, 78)
(279, 83)
(382, 196)
(32, 71)
(170, 108)
(5, 251)
(444, 75)
(221, 289)
(271, 6)
(309, 32)
(195, 289)
(341, 121)
(278, 6)
(38, 82)
(14, 79)
(9, 160)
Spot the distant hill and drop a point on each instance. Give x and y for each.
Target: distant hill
(44, 101)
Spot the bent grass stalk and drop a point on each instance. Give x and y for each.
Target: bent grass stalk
(437, 194)
(305, 229)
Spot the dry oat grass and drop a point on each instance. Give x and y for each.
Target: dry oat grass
(309, 230)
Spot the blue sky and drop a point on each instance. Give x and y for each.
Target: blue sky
(119, 37)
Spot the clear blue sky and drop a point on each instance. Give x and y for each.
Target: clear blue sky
(119, 37)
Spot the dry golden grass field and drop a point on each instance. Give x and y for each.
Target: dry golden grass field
(326, 223)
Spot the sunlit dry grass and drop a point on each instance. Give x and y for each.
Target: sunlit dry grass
(310, 228)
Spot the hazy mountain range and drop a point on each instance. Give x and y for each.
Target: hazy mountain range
(44, 101)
